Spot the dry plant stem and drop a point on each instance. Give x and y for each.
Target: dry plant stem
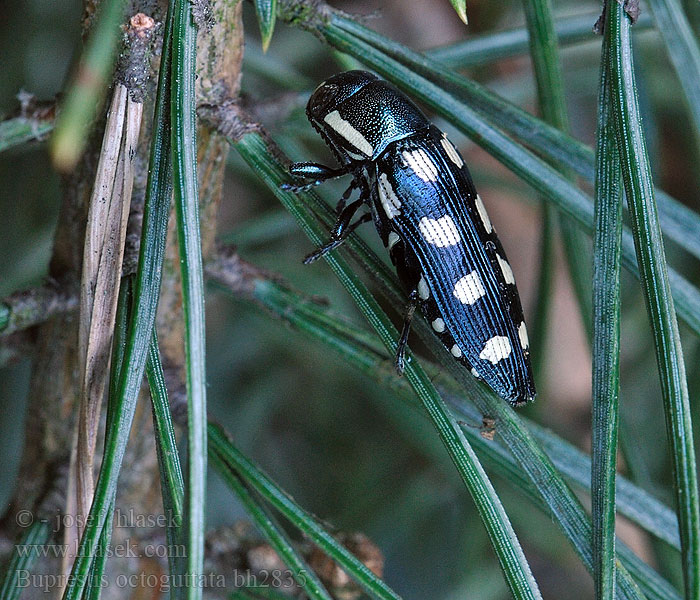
(102, 267)
(80, 481)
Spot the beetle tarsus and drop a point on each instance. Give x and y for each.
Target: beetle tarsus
(325, 249)
(300, 187)
(339, 234)
(341, 230)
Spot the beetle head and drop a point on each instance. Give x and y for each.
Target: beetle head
(359, 115)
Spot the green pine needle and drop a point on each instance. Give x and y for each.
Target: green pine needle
(184, 158)
(460, 7)
(606, 338)
(648, 240)
(267, 15)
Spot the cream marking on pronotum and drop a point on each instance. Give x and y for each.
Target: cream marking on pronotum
(476, 373)
(421, 163)
(483, 214)
(390, 201)
(469, 289)
(456, 352)
(522, 334)
(423, 291)
(495, 349)
(440, 232)
(393, 239)
(438, 325)
(451, 151)
(506, 270)
(344, 128)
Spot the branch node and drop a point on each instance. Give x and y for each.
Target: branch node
(229, 119)
(135, 60)
(307, 14)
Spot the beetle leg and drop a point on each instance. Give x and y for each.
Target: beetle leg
(316, 172)
(400, 361)
(356, 183)
(341, 230)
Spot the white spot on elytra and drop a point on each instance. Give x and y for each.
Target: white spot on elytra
(495, 349)
(393, 238)
(390, 201)
(469, 289)
(476, 373)
(345, 129)
(522, 334)
(421, 164)
(483, 214)
(451, 151)
(456, 352)
(438, 325)
(506, 270)
(423, 291)
(440, 232)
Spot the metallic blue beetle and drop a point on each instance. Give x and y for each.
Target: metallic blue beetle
(424, 205)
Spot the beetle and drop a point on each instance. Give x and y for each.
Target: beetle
(425, 208)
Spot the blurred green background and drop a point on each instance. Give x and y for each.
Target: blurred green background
(345, 449)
